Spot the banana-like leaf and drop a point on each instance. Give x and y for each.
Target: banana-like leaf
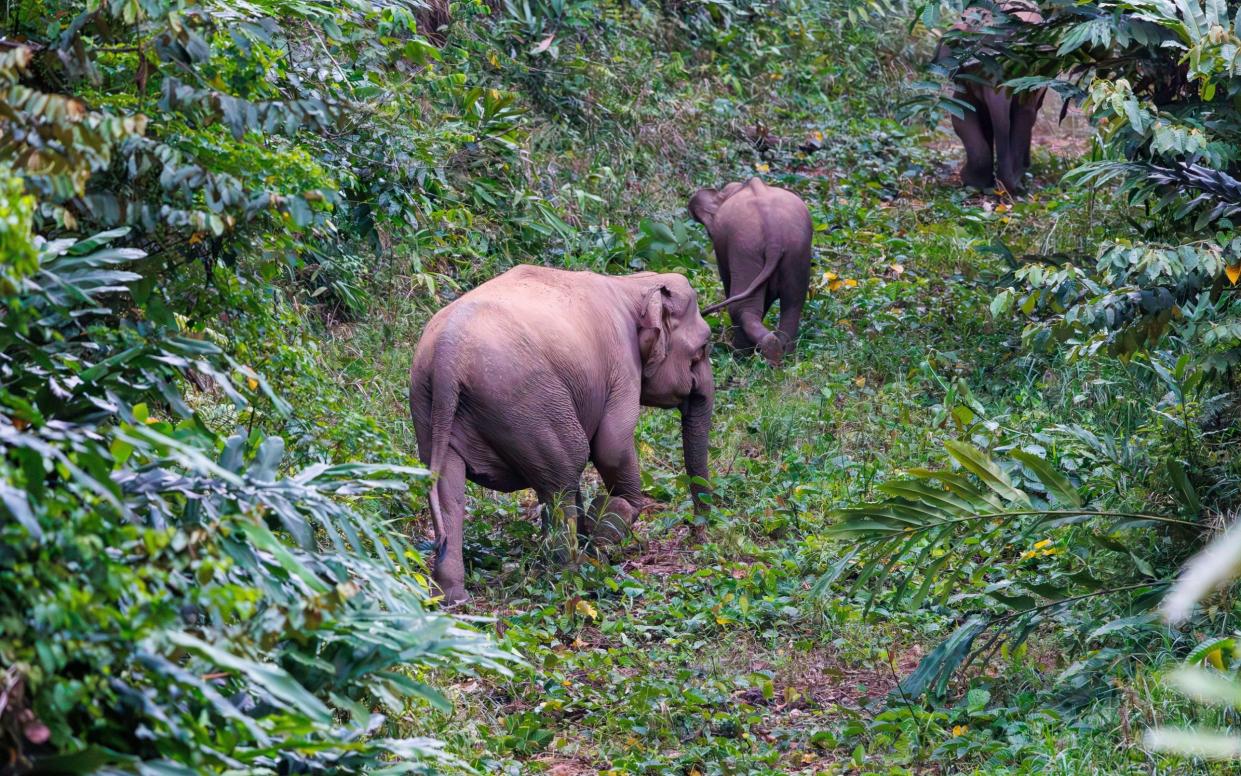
(934, 670)
(950, 537)
(1056, 483)
(980, 465)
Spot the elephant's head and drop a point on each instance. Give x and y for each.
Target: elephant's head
(706, 203)
(675, 344)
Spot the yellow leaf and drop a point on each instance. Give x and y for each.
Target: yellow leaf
(1233, 273)
(960, 730)
(1215, 658)
(1042, 544)
(584, 608)
(828, 276)
(897, 269)
(832, 285)
(1003, 207)
(850, 283)
(859, 381)
(254, 384)
(762, 167)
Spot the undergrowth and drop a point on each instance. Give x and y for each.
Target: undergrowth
(569, 133)
(723, 655)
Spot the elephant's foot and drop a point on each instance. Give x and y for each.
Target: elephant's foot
(1013, 186)
(610, 521)
(772, 349)
(976, 179)
(454, 595)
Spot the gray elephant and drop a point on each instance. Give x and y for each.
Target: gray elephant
(521, 381)
(762, 237)
(998, 128)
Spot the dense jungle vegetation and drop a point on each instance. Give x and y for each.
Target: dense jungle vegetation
(948, 534)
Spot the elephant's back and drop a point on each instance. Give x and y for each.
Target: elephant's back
(513, 334)
(764, 215)
(509, 304)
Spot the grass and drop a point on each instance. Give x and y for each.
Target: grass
(680, 654)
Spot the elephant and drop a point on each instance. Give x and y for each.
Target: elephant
(521, 381)
(997, 129)
(762, 238)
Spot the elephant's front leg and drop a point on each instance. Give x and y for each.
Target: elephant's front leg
(614, 455)
(1008, 157)
(449, 570)
(979, 167)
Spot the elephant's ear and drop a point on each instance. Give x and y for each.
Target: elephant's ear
(653, 328)
(703, 206)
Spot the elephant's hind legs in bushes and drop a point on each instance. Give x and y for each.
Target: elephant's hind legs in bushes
(996, 124)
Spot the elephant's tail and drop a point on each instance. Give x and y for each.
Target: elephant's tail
(771, 260)
(445, 391)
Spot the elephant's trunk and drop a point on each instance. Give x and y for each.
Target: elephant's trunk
(696, 431)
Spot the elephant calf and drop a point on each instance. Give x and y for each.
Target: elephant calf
(762, 237)
(520, 382)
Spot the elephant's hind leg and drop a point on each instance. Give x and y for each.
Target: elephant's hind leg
(749, 315)
(1024, 114)
(790, 322)
(449, 570)
(553, 464)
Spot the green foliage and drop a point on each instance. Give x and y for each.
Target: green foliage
(310, 181)
(1156, 79)
(180, 594)
(169, 595)
(995, 538)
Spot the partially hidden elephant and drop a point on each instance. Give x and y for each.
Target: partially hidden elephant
(520, 382)
(762, 237)
(998, 128)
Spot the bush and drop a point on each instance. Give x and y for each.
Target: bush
(177, 594)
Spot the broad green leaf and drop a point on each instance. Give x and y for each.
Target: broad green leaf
(1056, 483)
(980, 465)
(283, 688)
